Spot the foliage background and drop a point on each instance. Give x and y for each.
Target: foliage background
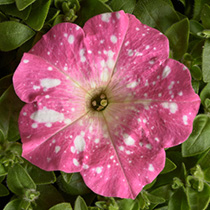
(184, 183)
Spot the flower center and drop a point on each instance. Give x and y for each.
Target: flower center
(100, 102)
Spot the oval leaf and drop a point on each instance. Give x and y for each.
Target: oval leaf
(22, 4)
(198, 141)
(80, 204)
(206, 61)
(13, 35)
(169, 166)
(63, 206)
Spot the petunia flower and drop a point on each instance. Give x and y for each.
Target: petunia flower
(104, 101)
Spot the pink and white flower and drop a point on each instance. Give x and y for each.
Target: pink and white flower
(104, 101)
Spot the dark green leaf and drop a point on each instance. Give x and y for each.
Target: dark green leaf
(163, 208)
(125, 203)
(163, 191)
(38, 175)
(183, 2)
(178, 201)
(3, 17)
(156, 13)
(199, 200)
(204, 160)
(196, 72)
(195, 27)
(62, 206)
(9, 114)
(5, 82)
(38, 14)
(53, 13)
(49, 196)
(127, 6)
(14, 12)
(3, 172)
(22, 4)
(178, 35)
(206, 61)
(195, 85)
(198, 5)
(80, 204)
(90, 8)
(169, 166)
(205, 16)
(155, 199)
(3, 190)
(148, 186)
(198, 141)
(6, 2)
(13, 35)
(72, 184)
(205, 93)
(18, 180)
(13, 205)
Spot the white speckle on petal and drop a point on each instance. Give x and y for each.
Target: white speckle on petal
(157, 139)
(110, 63)
(73, 149)
(151, 167)
(85, 166)
(24, 113)
(185, 118)
(98, 170)
(171, 85)
(173, 107)
(166, 72)
(132, 84)
(117, 15)
(121, 148)
(48, 125)
(137, 29)
(49, 83)
(71, 39)
(49, 68)
(144, 120)
(65, 34)
(148, 146)
(57, 149)
(105, 17)
(25, 61)
(34, 125)
(147, 47)
(159, 94)
(108, 166)
(128, 140)
(180, 93)
(105, 75)
(67, 121)
(75, 161)
(35, 87)
(113, 39)
(127, 43)
(47, 116)
(96, 141)
(47, 96)
(79, 143)
(82, 57)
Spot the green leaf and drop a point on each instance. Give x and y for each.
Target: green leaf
(80, 204)
(38, 175)
(155, 199)
(49, 196)
(195, 27)
(62, 206)
(169, 166)
(18, 180)
(199, 200)
(205, 93)
(72, 184)
(38, 14)
(13, 35)
(198, 141)
(198, 5)
(164, 191)
(127, 6)
(3, 172)
(178, 35)
(14, 12)
(178, 201)
(90, 8)
(196, 72)
(205, 16)
(22, 4)
(2, 2)
(9, 114)
(206, 61)
(3, 190)
(13, 205)
(156, 13)
(5, 82)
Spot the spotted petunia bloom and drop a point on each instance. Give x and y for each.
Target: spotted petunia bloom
(104, 101)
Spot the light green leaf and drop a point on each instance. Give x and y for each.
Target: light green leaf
(205, 16)
(3, 190)
(9, 114)
(178, 201)
(206, 61)
(196, 72)
(38, 14)
(80, 204)
(156, 13)
(38, 175)
(13, 205)
(169, 166)
(127, 6)
(90, 8)
(199, 200)
(164, 191)
(2, 2)
(198, 141)
(198, 5)
(205, 93)
(13, 35)
(22, 4)
(62, 206)
(18, 180)
(178, 35)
